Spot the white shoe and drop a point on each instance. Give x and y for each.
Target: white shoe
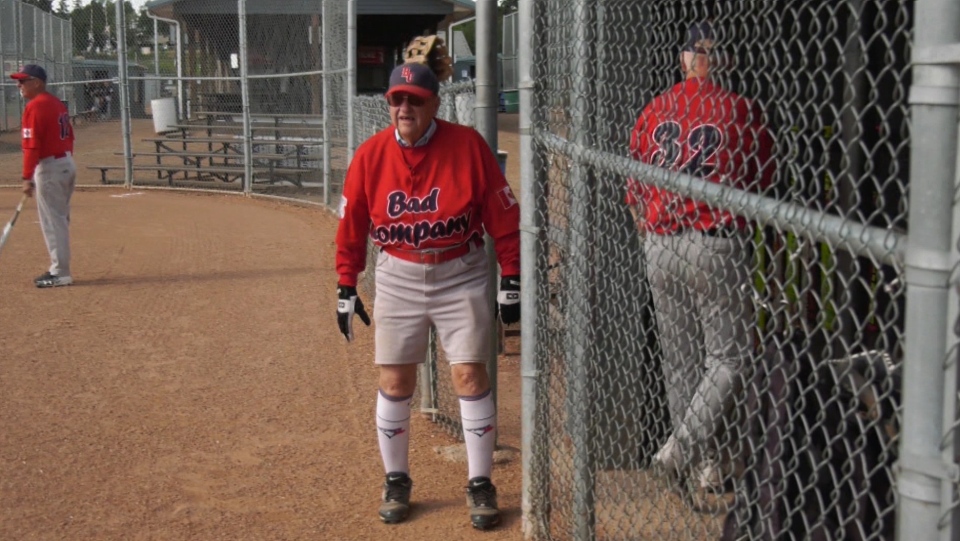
(669, 455)
(714, 475)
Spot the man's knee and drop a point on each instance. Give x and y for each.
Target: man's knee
(470, 379)
(398, 380)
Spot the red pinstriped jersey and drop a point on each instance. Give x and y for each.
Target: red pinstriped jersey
(433, 196)
(699, 129)
(46, 131)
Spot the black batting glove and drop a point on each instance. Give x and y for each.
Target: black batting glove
(508, 299)
(348, 303)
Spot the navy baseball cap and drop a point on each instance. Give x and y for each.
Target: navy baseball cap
(696, 35)
(413, 78)
(30, 70)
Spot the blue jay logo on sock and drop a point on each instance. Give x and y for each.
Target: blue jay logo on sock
(481, 431)
(391, 432)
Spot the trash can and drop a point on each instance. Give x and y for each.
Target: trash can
(164, 111)
(511, 101)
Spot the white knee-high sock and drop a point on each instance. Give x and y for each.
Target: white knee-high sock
(479, 417)
(393, 432)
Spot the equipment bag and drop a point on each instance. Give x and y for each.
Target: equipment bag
(820, 448)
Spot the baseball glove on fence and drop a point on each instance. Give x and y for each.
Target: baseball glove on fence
(431, 52)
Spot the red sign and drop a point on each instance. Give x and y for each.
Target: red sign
(371, 56)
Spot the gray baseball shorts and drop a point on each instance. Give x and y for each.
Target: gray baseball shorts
(453, 296)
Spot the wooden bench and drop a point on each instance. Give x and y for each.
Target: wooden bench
(310, 129)
(227, 145)
(224, 173)
(213, 115)
(213, 159)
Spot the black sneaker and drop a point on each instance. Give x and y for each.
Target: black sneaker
(482, 501)
(52, 280)
(395, 502)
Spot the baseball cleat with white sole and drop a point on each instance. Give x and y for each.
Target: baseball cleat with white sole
(395, 502)
(52, 280)
(482, 501)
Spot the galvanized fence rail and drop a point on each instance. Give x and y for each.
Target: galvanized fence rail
(736, 294)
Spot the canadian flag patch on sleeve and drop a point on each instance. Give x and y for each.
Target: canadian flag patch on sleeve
(27, 133)
(506, 197)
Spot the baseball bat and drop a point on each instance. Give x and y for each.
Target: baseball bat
(9, 227)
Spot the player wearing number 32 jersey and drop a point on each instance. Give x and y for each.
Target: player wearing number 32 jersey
(700, 129)
(699, 257)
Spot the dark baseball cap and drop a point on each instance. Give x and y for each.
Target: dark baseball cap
(696, 35)
(413, 78)
(30, 70)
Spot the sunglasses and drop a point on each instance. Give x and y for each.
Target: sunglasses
(396, 100)
(25, 80)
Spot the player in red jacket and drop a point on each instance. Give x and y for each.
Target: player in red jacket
(48, 168)
(698, 256)
(425, 191)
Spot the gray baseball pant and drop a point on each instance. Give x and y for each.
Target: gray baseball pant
(55, 180)
(704, 318)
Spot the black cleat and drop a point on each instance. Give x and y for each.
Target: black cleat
(395, 503)
(482, 501)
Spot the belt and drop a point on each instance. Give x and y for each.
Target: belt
(433, 257)
(61, 155)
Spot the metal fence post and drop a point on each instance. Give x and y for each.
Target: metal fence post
(4, 123)
(124, 95)
(579, 280)
(245, 99)
(924, 478)
(532, 281)
(325, 62)
(351, 77)
(485, 118)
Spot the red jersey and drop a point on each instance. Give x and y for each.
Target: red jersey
(699, 129)
(434, 196)
(46, 131)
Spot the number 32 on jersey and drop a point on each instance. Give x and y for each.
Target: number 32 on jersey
(693, 154)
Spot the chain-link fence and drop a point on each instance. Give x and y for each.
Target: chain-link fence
(29, 35)
(719, 197)
(248, 101)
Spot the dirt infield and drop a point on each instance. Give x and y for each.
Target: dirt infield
(192, 383)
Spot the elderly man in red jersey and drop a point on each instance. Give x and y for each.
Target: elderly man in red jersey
(698, 256)
(425, 191)
(48, 168)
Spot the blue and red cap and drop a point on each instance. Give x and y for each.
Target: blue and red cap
(698, 36)
(415, 79)
(30, 70)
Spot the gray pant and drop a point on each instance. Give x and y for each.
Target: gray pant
(55, 180)
(704, 318)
